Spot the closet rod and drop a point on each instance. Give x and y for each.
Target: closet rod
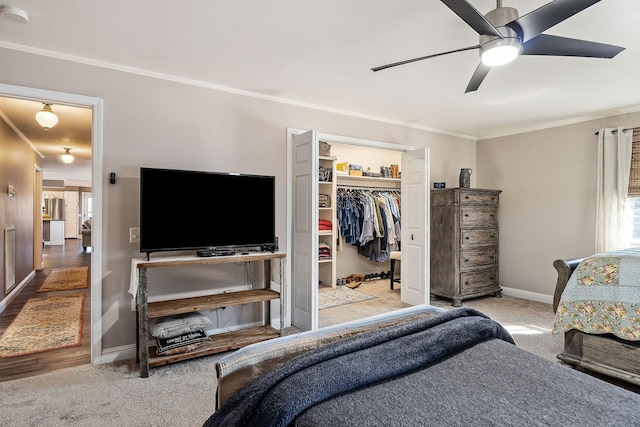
(367, 187)
(616, 130)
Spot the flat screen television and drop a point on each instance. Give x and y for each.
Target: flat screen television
(211, 211)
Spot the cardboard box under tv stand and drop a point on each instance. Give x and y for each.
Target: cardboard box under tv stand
(222, 342)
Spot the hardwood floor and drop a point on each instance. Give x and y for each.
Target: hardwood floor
(69, 255)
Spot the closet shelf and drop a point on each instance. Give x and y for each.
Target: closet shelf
(366, 178)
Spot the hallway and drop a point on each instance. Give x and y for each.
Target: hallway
(68, 255)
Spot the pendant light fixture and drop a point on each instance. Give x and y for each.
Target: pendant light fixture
(67, 157)
(46, 118)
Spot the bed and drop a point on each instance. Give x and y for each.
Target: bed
(417, 366)
(597, 306)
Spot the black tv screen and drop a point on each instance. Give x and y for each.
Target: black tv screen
(184, 210)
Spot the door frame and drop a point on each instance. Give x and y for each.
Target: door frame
(38, 242)
(84, 212)
(346, 140)
(96, 106)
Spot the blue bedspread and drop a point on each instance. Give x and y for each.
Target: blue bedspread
(603, 296)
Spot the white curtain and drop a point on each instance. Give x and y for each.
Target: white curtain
(614, 164)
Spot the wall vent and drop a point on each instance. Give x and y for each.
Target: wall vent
(53, 183)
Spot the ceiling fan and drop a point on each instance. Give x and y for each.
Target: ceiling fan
(504, 35)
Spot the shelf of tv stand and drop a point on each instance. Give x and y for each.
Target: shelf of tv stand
(209, 302)
(220, 342)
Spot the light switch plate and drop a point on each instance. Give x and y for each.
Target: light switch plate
(134, 235)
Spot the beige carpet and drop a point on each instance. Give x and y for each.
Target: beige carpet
(112, 395)
(342, 295)
(529, 322)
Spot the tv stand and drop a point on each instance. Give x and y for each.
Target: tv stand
(220, 342)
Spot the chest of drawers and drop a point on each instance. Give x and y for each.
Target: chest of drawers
(464, 243)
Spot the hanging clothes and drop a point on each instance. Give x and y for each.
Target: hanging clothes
(370, 220)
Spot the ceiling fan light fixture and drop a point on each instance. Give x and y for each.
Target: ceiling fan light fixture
(500, 51)
(46, 117)
(13, 14)
(67, 157)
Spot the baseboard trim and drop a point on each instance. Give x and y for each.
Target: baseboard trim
(16, 291)
(117, 354)
(528, 295)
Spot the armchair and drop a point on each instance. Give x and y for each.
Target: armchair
(86, 234)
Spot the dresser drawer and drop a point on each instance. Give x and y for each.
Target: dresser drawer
(473, 259)
(477, 281)
(471, 216)
(471, 238)
(477, 198)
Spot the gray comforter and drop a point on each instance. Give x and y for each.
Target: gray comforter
(279, 396)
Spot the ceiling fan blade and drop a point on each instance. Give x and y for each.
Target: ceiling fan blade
(408, 61)
(534, 23)
(472, 17)
(477, 78)
(546, 44)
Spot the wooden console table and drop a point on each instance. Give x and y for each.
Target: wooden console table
(221, 342)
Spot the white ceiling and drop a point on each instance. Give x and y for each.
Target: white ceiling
(320, 54)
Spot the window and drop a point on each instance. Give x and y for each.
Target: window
(634, 188)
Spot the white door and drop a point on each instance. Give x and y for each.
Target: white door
(304, 247)
(71, 215)
(414, 286)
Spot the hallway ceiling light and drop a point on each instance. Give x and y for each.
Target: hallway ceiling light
(67, 157)
(46, 118)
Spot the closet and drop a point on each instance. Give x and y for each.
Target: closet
(363, 204)
(319, 181)
(369, 221)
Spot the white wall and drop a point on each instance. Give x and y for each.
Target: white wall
(161, 123)
(547, 207)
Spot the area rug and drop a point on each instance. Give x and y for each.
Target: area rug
(62, 279)
(340, 296)
(44, 324)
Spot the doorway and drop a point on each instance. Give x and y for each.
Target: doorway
(94, 331)
(305, 215)
(361, 286)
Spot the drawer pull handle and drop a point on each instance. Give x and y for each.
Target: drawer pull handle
(466, 238)
(466, 215)
(466, 260)
(466, 197)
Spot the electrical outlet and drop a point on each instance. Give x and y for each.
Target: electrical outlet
(134, 235)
